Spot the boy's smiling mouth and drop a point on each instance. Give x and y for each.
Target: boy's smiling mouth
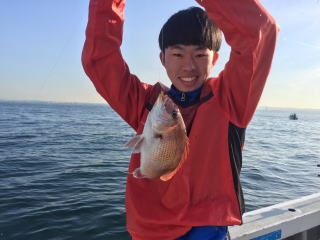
(187, 79)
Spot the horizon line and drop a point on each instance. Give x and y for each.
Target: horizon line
(106, 103)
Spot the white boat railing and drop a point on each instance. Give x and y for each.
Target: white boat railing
(292, 220)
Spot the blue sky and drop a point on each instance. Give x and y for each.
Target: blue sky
(41, 43)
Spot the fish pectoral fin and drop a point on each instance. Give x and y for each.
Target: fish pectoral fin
(137, 173)
(135, 143)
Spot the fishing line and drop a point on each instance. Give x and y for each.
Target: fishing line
(59, 57)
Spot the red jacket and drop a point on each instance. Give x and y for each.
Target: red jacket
(206, 190)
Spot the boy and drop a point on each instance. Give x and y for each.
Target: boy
(205, 195)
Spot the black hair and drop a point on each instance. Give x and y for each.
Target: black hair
(191, 26)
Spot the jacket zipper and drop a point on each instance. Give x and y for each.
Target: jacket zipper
(183, 97)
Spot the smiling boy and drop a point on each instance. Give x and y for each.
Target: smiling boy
(205, 195)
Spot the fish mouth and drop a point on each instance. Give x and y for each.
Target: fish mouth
(167, 113)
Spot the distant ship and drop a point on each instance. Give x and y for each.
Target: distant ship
(293, 116)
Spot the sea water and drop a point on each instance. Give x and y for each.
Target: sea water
(63, 167)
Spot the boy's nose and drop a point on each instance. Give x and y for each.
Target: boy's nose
(189, 64)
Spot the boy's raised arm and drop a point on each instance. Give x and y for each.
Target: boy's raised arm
(251, 32)
(103, 62)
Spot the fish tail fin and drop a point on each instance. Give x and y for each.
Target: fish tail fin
(135, 143)
(185, 154)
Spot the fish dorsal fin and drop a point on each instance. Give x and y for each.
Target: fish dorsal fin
(135, 143)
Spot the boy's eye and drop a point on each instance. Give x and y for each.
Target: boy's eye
(201, 55)
(177, 54)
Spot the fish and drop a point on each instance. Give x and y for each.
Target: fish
(163, 144)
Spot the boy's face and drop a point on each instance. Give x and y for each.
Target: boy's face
(188, 66)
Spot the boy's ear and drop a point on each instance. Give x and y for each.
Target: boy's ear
(162, 58)
(215, 58)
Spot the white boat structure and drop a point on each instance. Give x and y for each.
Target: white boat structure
(293, 220)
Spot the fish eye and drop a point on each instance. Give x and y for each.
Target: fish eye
(158, 135)
(174, 114)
